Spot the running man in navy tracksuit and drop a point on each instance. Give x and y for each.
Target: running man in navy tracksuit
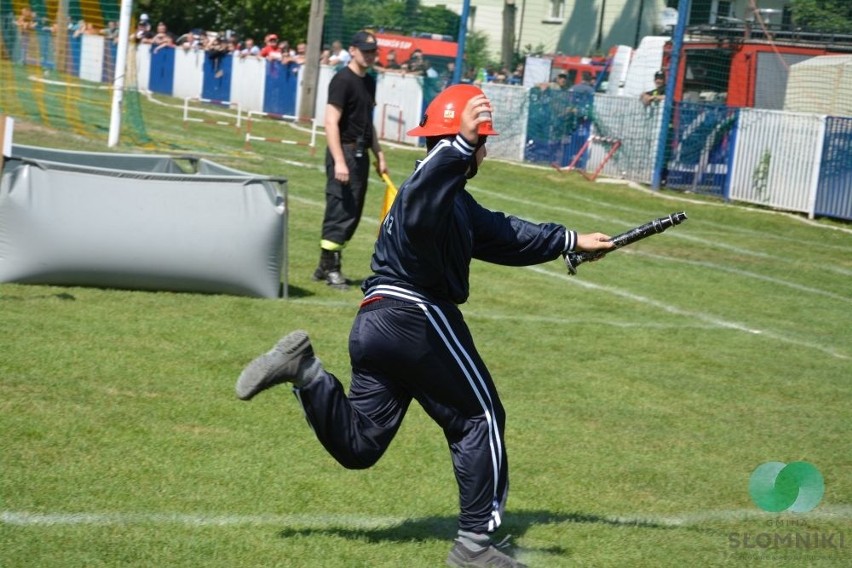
(409, 339)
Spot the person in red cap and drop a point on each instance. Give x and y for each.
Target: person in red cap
(409, 340)
(270, 47)
(350, 136)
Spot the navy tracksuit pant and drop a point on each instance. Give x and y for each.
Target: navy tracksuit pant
(404, 347)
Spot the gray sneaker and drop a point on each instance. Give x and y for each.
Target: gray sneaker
(285, 362)
(336, 280)
(491, 557)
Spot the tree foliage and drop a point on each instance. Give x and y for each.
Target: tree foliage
(823, 15)
(476, 51)
(406, 17)
(289, 19)
(248, 18)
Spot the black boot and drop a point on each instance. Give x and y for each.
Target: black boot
(322, 268)
(329, 270)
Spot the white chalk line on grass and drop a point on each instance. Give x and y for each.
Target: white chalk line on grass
(707, 318)
(754, 210)
(475, 314)
(708, 324)
(706, 242)
(306, 201)
(37, 79)
(368, 522)
(524, 318)
(756, 254)
(25, 518)
(709, 321)
(771, 520)
(602, 218)
(746, 273)
(744, 208)
(631, 184)
(712, 243)
(657, 194)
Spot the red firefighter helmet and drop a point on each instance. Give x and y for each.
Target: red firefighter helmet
(443, 115)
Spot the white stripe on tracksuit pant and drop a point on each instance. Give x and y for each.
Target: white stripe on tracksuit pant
(403, 347)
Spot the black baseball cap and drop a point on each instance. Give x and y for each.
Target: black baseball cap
(660, 74)
(365, 41)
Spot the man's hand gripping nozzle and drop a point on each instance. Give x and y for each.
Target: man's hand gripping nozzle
(574, 259)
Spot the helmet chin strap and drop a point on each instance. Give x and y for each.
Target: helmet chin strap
(473, 168)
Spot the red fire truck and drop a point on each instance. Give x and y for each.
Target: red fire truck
(744, 69)
(438, 49)
(574, 66)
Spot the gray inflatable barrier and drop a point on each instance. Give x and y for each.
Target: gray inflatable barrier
(141, 223)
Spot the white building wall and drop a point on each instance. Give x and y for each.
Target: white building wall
(571, 30)
(573, 27)
(771, 10)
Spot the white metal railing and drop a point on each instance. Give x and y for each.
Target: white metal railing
(776, 159)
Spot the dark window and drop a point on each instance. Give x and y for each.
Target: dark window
(700, 12)
(707, 74)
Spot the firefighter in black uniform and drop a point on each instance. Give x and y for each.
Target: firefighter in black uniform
(658, 93)
(409, 340)
(350, 135)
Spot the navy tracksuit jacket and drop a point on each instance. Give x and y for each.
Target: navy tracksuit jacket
(409, 339)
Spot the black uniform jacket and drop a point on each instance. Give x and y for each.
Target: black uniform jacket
(435, 227)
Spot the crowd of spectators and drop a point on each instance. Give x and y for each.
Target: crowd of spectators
(218, 44)
(273, 48)
(336, 54)
(30, 21)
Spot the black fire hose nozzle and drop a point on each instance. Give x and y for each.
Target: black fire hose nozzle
(574, 259)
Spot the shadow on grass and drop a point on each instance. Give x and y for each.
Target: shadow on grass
(294, 292)
(517, 523)
(298, 292)
(60, 296)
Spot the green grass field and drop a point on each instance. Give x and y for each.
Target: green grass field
(641, 394)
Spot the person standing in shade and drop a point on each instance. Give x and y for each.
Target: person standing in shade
(350, 135)
(338, 56)
(652, 99)
(586, 87)
(658, 93)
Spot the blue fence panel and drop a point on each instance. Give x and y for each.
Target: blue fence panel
(282, 81)
(45, 47)
(75, 44)
(162, 77)
(834, 188)
(699, 147)
(216, 85)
